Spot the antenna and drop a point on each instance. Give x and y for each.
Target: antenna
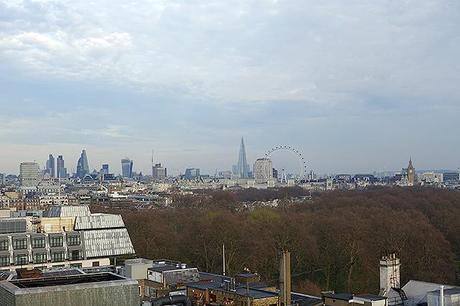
(223, 259)
(153, 164)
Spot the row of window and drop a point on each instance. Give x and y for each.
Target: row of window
(22, 259)
(40, 242)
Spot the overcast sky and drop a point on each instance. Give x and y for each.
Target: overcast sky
(356, 85)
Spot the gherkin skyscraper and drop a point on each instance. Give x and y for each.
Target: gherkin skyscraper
(242, 167)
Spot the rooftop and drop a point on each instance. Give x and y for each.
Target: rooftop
(370, 297)
(451, 291)
(65, 280)
(338, 296)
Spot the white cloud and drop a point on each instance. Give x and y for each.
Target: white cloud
(218, 68)
(242, 50)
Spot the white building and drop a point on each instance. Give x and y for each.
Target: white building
(263, 170)
(30, 174)
(65, 236)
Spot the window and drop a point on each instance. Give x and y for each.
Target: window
(3, 245)
(20, 244)
(20, 260)
(57, 256)
(40, 258)
(38, 243)
(56, 241)
(73, 240)
(76, 265)
(74, 255)
(95, 263)
(4, 261)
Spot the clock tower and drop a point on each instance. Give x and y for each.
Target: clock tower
(410, 174)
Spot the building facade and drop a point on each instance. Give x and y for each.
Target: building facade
(82, 165)
(51, 166)
(61, 171)
(65, 236)
(159, 172)
(29, 174)
(126, 168)
(263, 170)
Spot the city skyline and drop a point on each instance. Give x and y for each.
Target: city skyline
(98, 166)
(355, 86)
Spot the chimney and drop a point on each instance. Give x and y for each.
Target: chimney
(285, 279)
(441, 296)
(389, 273)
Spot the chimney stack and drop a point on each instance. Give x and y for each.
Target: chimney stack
(285, 279)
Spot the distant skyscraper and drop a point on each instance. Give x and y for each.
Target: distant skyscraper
(263, 170)
(105, 169)
(82, 165)
(126, 168)
(61, 171)
(159, 172)
(51, 166)
(242, 168)
(192, 173)
(30, 174)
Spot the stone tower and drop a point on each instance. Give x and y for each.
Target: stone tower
(410, 174)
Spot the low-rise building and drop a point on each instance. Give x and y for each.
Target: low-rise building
(67, 236)
(96, 289)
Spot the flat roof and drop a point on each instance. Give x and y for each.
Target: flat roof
(339, 296)
(450, 291)
(304, 299)
(370, 297)
(65, 280)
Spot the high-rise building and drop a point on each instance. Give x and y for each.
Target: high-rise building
(159, 172)
(126, 168)
(105, 169)
(82, 165)
(192, 173)
(61, 171)
(242, 168)
(263, 170)
(51, 166)
(30, 174)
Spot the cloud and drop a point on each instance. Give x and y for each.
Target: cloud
(251, 51)
(176, 73)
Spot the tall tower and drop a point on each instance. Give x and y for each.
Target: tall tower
(410, 174)
(242, 166)
(51, 166)
(126, 168)
(61, 171)
(263, 170)
(389, 273)
(29, 174)
(82, 165)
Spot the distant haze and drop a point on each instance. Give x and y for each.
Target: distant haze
(356, 86)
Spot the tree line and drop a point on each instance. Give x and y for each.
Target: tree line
(335, 240)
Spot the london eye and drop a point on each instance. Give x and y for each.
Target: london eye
(302, 164)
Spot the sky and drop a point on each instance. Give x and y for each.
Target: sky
(356, 86)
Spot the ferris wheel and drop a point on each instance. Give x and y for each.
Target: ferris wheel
(302, 163)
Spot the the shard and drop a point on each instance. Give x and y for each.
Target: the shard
(242, 168)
